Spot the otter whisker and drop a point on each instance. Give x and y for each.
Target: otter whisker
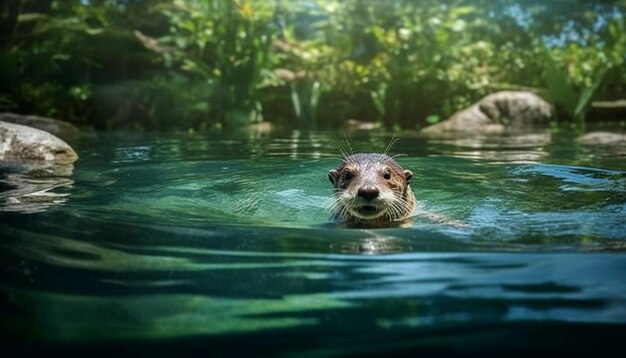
(344, 213)
(348, 144)
(332, 203)
(393, 141)
(398, 155)
(342, 151)
(389, 207)
(396, 207)
(346, 153)
(340, 158)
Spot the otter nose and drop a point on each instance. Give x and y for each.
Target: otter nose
(368, 192)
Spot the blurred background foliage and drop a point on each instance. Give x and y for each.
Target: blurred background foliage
(212, 64)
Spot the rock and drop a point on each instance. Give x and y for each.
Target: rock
(21, 143)
(602, 138)
(500, 112)
(61, 129)
(260, 128)
(288, 75)
(354, 124)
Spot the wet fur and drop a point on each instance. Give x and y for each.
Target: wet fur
(394, 202)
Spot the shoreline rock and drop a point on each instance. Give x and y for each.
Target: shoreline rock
(500, 112)
(23, 143)
(602, 138)
(58, 128)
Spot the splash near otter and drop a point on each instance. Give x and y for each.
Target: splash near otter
(370, 190)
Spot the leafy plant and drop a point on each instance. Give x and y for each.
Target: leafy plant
(225, 43)
(302, 63)
(562, 93)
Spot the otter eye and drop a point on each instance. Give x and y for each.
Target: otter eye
(387, 174)
(347, 175)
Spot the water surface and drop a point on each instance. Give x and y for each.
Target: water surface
(190, 242)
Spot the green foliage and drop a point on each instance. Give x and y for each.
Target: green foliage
(562, 93)
(559, 90)
(224, 44)
(303, 63)
(57, 51)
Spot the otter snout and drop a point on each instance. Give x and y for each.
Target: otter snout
(368, 192)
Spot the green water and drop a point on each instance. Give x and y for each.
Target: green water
(179, 243)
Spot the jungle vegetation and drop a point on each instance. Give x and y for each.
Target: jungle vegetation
(211, 64)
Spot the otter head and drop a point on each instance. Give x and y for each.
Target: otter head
(370, 188)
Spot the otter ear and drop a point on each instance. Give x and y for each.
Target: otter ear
(333, 175)
(408, 175)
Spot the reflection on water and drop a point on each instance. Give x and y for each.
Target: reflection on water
(526, 147)
(505, 141)
(225, 240)
(29, 187)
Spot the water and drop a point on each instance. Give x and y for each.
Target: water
(180, 243)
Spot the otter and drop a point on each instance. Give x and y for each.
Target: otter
(370, 190)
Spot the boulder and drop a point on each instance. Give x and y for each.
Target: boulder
(602, 138)
(61, 129)
(500, 112)
(20, 143)
(354, 124)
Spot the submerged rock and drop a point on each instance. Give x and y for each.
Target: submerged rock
(500, 112)
(61, 129)
(21, 143)
(602, 138)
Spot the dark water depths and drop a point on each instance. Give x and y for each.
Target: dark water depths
(194, 242)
